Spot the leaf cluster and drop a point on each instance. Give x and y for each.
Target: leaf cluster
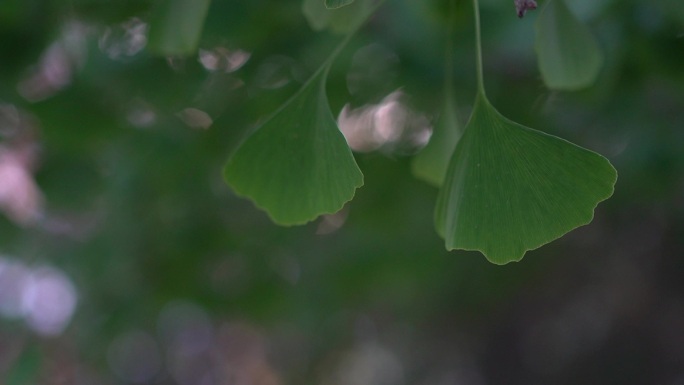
(505, 188)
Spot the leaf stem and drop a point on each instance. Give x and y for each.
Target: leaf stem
(478, 48)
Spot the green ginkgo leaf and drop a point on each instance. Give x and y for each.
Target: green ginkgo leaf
(431, 163)
(177, 26)
(510, 188)
(297, 165)
(568, 54)
(332, 4)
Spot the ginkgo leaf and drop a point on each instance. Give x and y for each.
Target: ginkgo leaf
(510, 188)
(568, 54)
(432, 161)
(332, 4)
(297, 165)
(177, 26)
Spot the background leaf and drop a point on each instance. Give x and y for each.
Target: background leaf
(510, 189)
(432, 162)
(337, 20)
(569, 56)
(332, 4)
(177, 26)
(297, 165)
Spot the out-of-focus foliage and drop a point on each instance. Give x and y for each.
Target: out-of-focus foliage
(130, 261)
(178, 26)
(569, 56)
(340, 20)
(431, 163)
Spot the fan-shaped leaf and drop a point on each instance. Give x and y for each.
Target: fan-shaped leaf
(297, 165)
(332, 4)
(510, 188)
(431, 163)
(177, 26)
(569, 56)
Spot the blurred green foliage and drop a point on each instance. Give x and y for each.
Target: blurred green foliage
(136, 215)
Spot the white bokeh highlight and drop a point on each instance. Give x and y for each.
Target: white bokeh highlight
(44, 297)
